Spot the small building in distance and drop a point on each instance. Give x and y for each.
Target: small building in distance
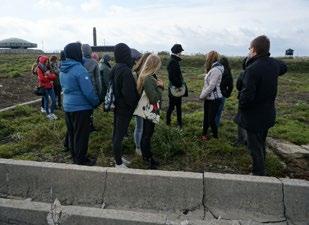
(289, 52)
(18, 46)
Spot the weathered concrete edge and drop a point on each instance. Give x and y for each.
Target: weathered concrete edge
(69, 213)
(21, 104)
(236, 178)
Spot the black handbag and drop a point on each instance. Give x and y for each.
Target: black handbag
(39, 91)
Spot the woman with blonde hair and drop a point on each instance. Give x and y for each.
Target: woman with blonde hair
(138, 131)
(150, 87)
(211, 93)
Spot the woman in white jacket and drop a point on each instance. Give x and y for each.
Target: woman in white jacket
(211, 93)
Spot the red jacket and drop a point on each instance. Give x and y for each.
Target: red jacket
(45, 79)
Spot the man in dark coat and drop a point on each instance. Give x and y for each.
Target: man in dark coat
(257, 99)
(175, 79)
(126, 98)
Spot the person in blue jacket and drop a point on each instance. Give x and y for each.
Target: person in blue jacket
(79, 99)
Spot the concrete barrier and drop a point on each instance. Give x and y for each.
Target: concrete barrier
(158, 190)
(19, 212)
(244, 197)
(176, 194)
(44, 182)
(296, 199)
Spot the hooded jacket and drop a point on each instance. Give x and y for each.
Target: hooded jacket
(212, 81)
(93, 69)
(45, 77)
(105, 71)
(258, 93)
(126, 96)
(78, 92)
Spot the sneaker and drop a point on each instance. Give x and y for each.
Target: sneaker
(152, 163)
(43, 110)
(138, 151)
(89, 162)
(50, 117)
(54, 116)
(125, 161)
(121, 166)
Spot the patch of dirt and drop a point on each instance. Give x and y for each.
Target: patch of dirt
(17, 90)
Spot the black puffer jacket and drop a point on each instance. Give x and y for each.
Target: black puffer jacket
(258, 93)
(126, 96)
(174, 73)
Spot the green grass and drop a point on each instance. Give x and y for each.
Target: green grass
(27, 134)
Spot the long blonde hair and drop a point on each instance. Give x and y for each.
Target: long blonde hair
(150, 67)
(139, 65)
(211, 57)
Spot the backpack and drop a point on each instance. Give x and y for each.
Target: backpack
(226, 84)
(109, 100)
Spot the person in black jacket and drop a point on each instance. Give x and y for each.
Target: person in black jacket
(126, 98)
(257, 99)
(175, 79)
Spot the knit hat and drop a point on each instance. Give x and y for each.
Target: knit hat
(177, 48)
(73, 51)
(86, 50)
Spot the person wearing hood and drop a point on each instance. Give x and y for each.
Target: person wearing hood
(211, 93)
(105, 70)
(256, 102)
(46, 79)
(92, 67)
(126, 98)
(175, 79)
(79, 100)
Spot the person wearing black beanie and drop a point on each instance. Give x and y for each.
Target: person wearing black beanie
(176, 81)
(74, 51)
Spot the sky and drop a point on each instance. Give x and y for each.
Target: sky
(200, 26)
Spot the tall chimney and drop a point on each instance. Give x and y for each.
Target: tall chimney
(94, 37)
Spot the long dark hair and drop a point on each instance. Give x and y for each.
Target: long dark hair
(225, 62)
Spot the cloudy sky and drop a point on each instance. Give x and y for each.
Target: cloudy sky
(154, 25)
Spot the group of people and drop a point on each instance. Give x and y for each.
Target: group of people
(132, 88)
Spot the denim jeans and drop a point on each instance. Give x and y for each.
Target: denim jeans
(220, 110)
(49, 93)
(138, 131)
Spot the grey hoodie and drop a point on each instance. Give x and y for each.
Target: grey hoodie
(93, 69)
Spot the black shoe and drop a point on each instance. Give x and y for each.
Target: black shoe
(89, 162)
(153, 164)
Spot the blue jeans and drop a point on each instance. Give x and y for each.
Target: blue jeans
(49, 93)
(138, 131)
(220, 110)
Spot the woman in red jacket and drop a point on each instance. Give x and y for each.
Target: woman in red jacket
(46, 79)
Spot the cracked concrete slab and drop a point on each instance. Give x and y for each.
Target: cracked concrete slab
(296, 200)
(45, 182)
(159, 190)
(244, 197)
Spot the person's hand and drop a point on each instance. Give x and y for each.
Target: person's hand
(160, 83)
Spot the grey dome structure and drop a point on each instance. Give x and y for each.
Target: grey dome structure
(16, 43)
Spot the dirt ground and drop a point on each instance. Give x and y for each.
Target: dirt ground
(17, 90)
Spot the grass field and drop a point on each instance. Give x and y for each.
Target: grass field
(26, 134)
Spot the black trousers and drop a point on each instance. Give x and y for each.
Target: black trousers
(77, 137)
(210, 111)
(148, 129)
(121, 124)
(174, 101)
(58, 89)
(256, 147)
